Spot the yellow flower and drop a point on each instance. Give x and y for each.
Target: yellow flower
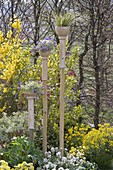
(9, 34)
(1, 65)
(1, 36)
(70, 130)
(17, 24)
(72, 151)
(5, 90)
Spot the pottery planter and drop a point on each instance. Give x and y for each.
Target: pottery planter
(62, 31)
(45, 54)
(30, 94)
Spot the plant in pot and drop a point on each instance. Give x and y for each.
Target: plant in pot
(44, 47)
(63, 23)
(31, 88)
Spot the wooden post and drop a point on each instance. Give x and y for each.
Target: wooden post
(31, 116)
(62, 32)
(44, 79)
(62, 77)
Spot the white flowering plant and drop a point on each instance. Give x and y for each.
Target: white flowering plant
(54, 161)
(31, 87)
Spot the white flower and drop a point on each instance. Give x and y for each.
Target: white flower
(50, 164)
(61, 168)
(47, 166)
(52, 149)
(56, 149)
(64, 159)
(49, 154)
(58, 154)
(45, 160)
(54, 166)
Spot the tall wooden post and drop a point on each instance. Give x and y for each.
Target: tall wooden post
(44, 79)
(31, 116)
(62, 33)
(62, 77)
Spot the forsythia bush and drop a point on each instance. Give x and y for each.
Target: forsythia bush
(14, 60)
(23, 166)
(98, 146)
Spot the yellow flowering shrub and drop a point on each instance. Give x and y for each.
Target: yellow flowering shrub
(23, 166)
(14, 66)
(75, 135)
(98, 146)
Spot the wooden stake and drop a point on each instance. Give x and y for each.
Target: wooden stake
(31, 116)
(62, 111)
(44, 116)
(62, 66)
(44, 79)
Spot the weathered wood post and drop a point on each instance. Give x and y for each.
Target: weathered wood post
(45, 56)
(30, 98)
(31, 116)
(62, 33)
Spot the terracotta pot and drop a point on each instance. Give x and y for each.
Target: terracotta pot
(45, 54)
(62, 31)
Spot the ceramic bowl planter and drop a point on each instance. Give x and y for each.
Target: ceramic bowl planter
(31, 89)
(30, 94)
(62, 31)
(45, 54)
(63, 23)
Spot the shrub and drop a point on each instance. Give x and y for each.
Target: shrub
(75, 135)
(14, 125)
(98, 146)
(23, 166)
(14, 61)
(21, 149)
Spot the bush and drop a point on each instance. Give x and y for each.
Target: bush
(14, 62)
(19, 150)
(98, 146)
(14, 125)
(75, 135)
(23, 166)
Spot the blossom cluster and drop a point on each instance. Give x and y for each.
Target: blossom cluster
(44, 45)
(54, 161)
(32, 86)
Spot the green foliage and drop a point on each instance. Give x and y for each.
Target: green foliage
(23, 166)
(14, 125)
(64, 20)
(21, 149)
(98, 146)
